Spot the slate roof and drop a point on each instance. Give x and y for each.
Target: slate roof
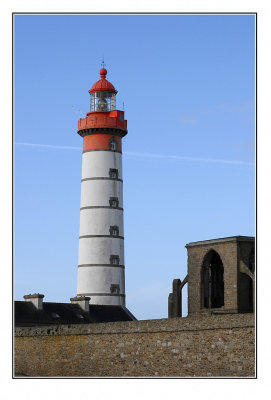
(26, 314)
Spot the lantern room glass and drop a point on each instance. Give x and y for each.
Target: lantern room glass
(102, 101)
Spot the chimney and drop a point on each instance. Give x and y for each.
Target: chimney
(82, 301)
(36, 299)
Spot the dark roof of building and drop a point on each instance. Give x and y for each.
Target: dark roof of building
(26, 314)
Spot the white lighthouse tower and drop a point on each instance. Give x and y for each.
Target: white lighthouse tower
(101, 239)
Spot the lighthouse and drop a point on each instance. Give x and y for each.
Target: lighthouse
(101, 269)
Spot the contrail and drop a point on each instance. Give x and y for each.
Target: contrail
(51, 146)
(148, 155)
(184, 158)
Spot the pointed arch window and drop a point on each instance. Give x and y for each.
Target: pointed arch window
(212, 281)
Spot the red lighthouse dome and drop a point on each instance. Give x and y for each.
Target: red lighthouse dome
(102, 94)
(103, 85)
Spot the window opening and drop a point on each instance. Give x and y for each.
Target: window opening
(115, 288)
(113, 173)
(102, 101)
(112, 144)
(212, 281)
(114, 202)
(114, 259)
(114, 230)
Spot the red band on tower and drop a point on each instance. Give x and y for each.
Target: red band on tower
(100, 142)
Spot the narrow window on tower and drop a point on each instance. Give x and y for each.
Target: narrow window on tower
(112, 144)
(115, 260)
(114, 230)
(113, 173)
(115, 288)
(114, 202)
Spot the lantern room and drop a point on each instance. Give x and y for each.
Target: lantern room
(102, 94)
(103, 114)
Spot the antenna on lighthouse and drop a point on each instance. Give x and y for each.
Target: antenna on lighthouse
(77, 110)
(103, 63)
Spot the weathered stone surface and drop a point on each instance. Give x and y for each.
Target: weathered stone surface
(233, 251)
(221, 345)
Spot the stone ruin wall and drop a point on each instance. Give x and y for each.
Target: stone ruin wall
(221, 345)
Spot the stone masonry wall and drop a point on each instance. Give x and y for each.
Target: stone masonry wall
(221, 345)
(230, 250)
(228, 254)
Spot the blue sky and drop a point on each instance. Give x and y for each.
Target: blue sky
(187, 82)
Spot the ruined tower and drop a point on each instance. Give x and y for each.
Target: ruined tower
(101, 238)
